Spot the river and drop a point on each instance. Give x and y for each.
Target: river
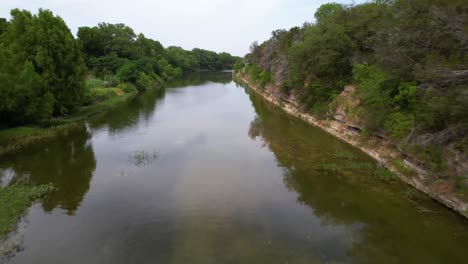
(205, 171)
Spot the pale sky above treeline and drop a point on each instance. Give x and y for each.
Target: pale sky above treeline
(218, 25)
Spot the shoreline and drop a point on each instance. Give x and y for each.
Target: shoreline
(381, 151)
(16, 138)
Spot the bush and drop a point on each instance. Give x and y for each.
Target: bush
(127, 87)
(406, 97)
(111, 80)
(399, 124)
(239, 65)
(374, 92)
(265, 78)
(434, 156)
(98, 95)
(253, 70)
(94, 83)
(105, 65)
(144, 82)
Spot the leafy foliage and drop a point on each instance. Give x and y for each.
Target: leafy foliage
(43, 50)
(407, 58)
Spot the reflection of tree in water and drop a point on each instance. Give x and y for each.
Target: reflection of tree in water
(127, 115)
(389, 228)
(201, 77)
(68, 163)
(143, 106)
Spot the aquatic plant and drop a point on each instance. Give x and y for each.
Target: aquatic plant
(384, 174)
(14, 200)
(142, 158)
(344, 155)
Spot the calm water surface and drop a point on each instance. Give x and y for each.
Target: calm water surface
(206, 172)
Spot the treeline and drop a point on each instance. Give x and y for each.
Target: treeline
(45, 72)
(407, 58)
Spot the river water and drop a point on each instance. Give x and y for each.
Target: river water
(205, 171)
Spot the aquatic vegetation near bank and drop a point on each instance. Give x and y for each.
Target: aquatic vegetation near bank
(17, 138)
(14, 200)
(141, 158)
(380, 172)
(384, 174)
(344, 155)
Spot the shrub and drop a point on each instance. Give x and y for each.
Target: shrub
(144, 82)
(127, 87)
(111, 80)
(406, 97)
(265, 78)
(94, 83)
(399, 124)
(98, 95)
(434, 156)
(253, 70)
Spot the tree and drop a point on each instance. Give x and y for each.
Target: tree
(3, 25)
(106, 39)
(46, 42)
(23, 99)
(326, 11)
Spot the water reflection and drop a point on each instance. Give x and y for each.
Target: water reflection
(67, 162)
(139, 110)
(201, 77)
(386, 224)
(198, 175)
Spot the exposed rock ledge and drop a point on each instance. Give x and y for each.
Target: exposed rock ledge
(378, 148)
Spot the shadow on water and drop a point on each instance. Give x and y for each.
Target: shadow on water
(67, 162)
(389, 226)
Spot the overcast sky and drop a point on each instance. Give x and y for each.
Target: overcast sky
(219, 25)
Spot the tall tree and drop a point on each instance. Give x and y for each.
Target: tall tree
(45, 41)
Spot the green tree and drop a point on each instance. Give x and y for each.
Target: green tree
(23, 99)
(46, 42)
(105, 39)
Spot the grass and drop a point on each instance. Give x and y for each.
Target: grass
(14, 200)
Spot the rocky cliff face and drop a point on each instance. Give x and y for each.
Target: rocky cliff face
(347, 108)
(347, 125)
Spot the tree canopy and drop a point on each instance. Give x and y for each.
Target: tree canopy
(407, 59)
(43, 67)
(43, 50)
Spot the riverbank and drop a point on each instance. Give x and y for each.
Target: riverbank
(16, 198)
(378, 148)
(17, 138)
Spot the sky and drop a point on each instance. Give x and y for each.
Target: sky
(218, 25)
